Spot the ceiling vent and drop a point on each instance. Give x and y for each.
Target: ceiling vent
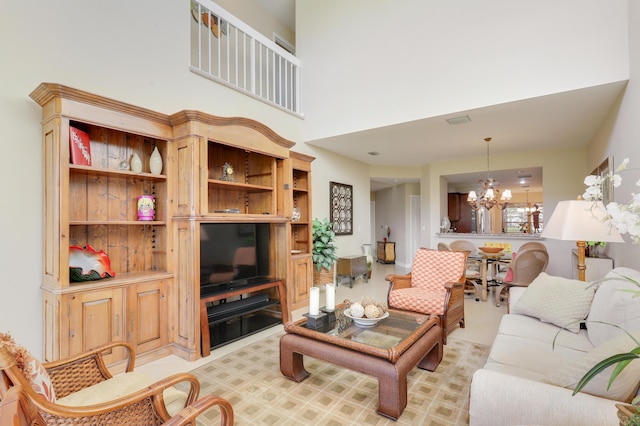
(458, 120)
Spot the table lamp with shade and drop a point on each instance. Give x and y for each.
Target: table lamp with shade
(580, 221)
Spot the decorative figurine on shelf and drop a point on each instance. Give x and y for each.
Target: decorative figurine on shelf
(146, 207)
(227, 173)
(295, 215)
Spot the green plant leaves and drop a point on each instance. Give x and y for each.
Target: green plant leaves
(324, 252)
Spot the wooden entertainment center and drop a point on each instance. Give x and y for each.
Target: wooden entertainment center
(154, 299)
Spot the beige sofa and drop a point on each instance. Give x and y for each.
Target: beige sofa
(528, 379)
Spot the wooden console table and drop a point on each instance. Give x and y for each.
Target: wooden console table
(352, 266)
(386, 252)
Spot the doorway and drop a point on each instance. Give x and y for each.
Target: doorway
(415, 228)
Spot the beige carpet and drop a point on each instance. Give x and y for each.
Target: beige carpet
(250, 379)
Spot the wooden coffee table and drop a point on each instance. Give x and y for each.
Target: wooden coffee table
(387, 351)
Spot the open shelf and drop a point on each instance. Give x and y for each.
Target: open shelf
(237, 328)
(226, 311)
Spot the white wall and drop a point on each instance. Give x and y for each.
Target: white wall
(136, 52)
(620, 137)
(330, 167)
(393, 209)
(382, 62)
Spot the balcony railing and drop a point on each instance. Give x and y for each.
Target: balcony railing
(228, 51)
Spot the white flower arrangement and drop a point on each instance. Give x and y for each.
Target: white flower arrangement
(624, 217)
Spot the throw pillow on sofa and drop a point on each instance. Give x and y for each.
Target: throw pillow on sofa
(624, 386)
(613, 305)
(560, 301)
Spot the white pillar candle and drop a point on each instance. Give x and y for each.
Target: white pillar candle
(314, 301)
(330, 301)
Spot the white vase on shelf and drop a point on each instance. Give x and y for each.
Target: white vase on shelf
(136, 163)
(155, 162)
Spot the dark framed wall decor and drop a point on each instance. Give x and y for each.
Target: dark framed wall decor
(603, 169)
(341, 202)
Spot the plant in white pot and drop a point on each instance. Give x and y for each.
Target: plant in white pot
(324, 251)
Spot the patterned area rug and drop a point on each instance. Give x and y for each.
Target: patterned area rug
(250, 379)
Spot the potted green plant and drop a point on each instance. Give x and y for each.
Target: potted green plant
(324, 251)
(594, 248)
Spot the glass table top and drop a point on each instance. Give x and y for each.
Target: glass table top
(385, 334)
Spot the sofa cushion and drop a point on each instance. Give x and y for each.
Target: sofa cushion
(561, 301)
(530, 355)
(534, 329)
(612, 305)
(123, 385)
(624, 386)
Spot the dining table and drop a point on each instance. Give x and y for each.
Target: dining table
(488, 261)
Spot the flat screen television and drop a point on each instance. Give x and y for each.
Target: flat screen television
(233, 255)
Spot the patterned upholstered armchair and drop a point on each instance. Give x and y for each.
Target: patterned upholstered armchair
(435, 286)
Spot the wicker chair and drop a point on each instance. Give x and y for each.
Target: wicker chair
(143, 407)
(15, 409)
(526, 266)
(435, 286)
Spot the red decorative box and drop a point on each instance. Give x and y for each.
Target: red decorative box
(80, 144)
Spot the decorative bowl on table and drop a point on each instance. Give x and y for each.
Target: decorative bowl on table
(364, 321)
(491, 250)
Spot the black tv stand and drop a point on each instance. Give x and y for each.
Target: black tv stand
(230, 321)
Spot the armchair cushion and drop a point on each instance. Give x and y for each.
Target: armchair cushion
(431, 269)
(30, 367)
(418, 300)
(561, 301)
(41, 381)
(122, 385)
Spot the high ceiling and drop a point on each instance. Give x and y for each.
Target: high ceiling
(562, 120)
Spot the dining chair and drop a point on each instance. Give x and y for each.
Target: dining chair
(525, 267)
(532, 244)
(473, 273)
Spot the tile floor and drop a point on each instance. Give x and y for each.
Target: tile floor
(482, 319)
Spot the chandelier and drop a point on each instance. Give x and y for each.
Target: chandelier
(489, 194)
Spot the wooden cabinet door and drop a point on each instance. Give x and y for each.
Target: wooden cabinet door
(302, 281)
(464, 223)
(454, 206)
(390, 252)
(147, 315)
(95, 318)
